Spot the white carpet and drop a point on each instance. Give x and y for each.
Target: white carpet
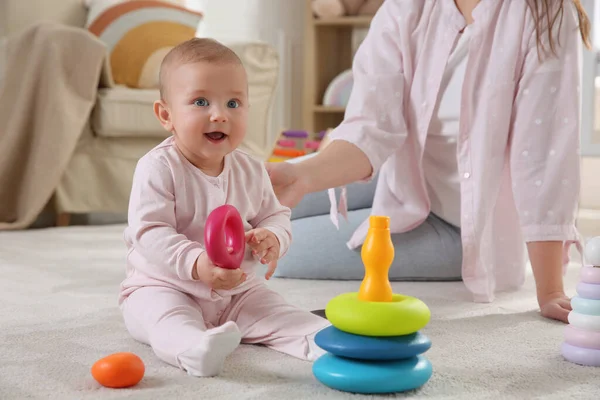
(58, 315)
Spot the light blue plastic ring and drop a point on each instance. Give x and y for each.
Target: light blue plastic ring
(372, 377)
(585, 306)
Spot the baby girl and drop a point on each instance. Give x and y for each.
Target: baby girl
(192, 313)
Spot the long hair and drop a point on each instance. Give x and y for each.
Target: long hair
(548, 13)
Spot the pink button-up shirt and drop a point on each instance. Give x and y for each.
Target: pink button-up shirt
(518, 142)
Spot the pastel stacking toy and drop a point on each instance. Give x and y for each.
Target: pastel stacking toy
(374, 345)
(582, 335)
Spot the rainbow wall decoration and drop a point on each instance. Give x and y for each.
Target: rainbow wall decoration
(338, 92)
(138, 34)
(296, 143)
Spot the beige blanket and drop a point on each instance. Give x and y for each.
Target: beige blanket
(51, 78)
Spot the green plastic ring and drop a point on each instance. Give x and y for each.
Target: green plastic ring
(402, 316)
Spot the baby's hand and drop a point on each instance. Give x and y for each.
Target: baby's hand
(555, 306)
(215, 277)
(265, 245)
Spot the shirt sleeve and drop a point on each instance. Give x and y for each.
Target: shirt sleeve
(374, 119)
(274, 216)
(544, 158)
(152, 223)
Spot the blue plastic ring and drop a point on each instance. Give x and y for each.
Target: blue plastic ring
(585, 306)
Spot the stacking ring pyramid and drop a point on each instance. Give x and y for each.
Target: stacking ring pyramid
(374, 345)
(582, 335)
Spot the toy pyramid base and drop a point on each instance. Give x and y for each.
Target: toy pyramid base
(372, 377)
(580, 355)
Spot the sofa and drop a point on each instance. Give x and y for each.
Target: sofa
(121, 126)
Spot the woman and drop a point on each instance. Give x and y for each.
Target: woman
(468, 111)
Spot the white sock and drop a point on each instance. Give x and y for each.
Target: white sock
(207, 357)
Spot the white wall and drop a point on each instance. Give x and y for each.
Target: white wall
(589, 214)
(590, 145)
(595, 19)
(277, 22)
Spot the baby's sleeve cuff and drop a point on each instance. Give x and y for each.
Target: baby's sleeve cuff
(186, 265)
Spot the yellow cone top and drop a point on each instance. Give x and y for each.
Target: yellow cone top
(379, 222)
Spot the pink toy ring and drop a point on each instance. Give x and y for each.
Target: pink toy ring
(580, 338)
(590, 274)
(224, 230)
(588, 291)
(581, 356)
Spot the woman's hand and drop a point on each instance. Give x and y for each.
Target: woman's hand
(338, 164)
(289, 185)
(555, 306)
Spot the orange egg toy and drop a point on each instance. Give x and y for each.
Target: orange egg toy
(119, 370)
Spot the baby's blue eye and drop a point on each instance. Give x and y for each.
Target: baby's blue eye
(201, 102)
(233, 104)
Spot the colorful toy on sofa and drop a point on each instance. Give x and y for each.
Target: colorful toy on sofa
(582, 336)
(374, 345)
(295, 143)
(340, 8)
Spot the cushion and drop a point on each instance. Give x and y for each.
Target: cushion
(138, 34)
(125, 112)
(360, 196)
(430, 252)
(319, 251)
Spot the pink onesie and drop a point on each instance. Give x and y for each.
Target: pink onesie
(188, 324)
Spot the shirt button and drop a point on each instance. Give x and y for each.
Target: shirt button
(466, 175)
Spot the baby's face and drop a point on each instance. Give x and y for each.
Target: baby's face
(209, 109)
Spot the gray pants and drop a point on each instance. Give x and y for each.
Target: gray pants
(430, 252)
